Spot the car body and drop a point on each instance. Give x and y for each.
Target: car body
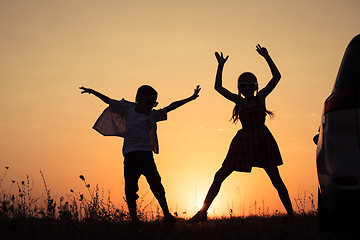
(338, 141)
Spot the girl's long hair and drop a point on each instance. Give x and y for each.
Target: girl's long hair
(235, 113)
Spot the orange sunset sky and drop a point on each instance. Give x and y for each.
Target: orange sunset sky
(49, 48)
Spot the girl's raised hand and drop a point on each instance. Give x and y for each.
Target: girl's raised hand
(262, 51)
(220, 58)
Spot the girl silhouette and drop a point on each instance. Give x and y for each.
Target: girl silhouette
(253, 145)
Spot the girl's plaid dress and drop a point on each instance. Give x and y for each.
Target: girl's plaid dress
(253, 145)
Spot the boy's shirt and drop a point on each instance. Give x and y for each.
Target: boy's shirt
(138, 130)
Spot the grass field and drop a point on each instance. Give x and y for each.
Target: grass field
(23, 216)
(236, 228)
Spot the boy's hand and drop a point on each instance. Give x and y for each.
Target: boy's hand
(220, 58)
(196, 92)
(86, 90)
(262, 51)
(179, 103)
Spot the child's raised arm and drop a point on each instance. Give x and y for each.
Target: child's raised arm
(179, 103)
(104, 98)
(218, 80)
(274, 71)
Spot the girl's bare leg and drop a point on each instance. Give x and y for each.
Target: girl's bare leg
(273, 173)
(220, 176)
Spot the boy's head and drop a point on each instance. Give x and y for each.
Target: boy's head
(146, 99)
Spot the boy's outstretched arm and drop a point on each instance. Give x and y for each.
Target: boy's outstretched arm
(179, 103)
(104, 98)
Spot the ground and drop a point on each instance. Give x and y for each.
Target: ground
(275, 227)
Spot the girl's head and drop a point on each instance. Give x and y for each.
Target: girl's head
(247, 84)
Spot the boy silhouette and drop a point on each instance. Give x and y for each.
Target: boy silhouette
(136, 123)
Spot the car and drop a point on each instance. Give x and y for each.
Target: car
(338, 143)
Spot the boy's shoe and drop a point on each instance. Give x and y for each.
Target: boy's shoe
(292, 222)
(198, 217)
(136, 223)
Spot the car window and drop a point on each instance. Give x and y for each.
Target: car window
(349, 72)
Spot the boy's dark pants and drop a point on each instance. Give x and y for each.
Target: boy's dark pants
(135, 164)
